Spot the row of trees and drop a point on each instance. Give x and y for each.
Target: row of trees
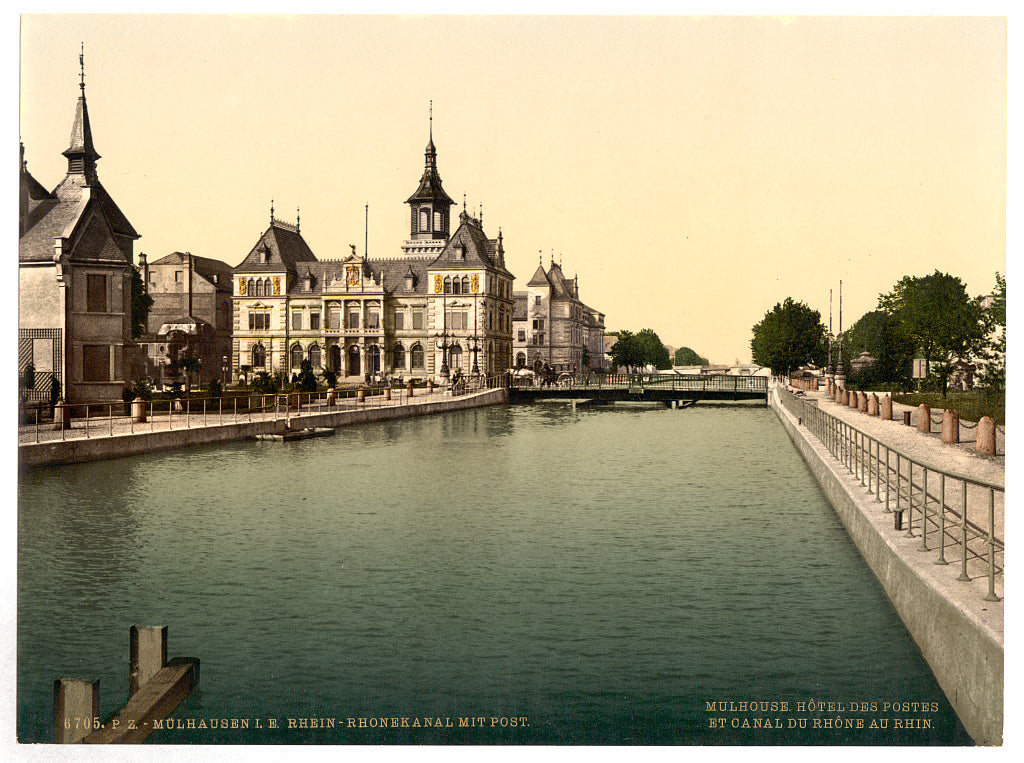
(635, 351)
(921, 316)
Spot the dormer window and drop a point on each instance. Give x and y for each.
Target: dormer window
(460, 252)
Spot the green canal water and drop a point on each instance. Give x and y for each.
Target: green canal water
(599, 576)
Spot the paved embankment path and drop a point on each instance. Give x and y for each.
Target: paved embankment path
(117, 436)
(957, 626)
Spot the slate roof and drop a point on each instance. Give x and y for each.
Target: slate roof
(285, 250)
(204, 266)
(540, 278)
(478, 250)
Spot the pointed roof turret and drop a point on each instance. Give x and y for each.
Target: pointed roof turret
(81, 153)
(430, 188)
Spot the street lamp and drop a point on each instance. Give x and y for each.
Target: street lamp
(475, 340)
(443, 336)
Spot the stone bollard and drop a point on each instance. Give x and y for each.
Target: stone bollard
(924, 418)
(885, 408)
(139, 411)
(387, 393)
(361, 395)
(147, 654)
(331, 396)
(74, 699)
(408, 389)
(986, 444)
(177, 405)
(862, 402)
(852, 399)
(950, 427)
(873, 405)
(61, 415)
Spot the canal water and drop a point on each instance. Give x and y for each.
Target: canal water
(530, 574)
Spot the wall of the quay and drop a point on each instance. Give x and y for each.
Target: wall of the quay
(119, 445)
(966, 659)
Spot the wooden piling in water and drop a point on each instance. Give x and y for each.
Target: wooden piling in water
(76, 707)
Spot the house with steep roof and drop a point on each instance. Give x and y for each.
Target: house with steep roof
(443, 304)
(190, 315)
(552, 326)
(75, 255)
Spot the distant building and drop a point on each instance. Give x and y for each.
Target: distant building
(444, 304)
(74, 279)
(191, 315)
(552, 326)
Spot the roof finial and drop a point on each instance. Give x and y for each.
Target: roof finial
(431, 120)
(298, 219)
(463, 202)
(271, 211)
(481, 214)
(81, 64)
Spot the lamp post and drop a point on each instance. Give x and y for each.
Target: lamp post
(476, 341)
(840, 372)
(443, 336)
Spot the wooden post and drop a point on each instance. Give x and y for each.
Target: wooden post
(76, 708)
(986, 444)
(147, 654)
(950, 427)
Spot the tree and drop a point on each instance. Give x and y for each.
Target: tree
(993, 353)
(638, 350)
(880, 335)
(790, 335)
(687, 357)
(307, 379)
(141, 304)
(936, 313)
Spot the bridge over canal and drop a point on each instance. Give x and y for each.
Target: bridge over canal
(676, 388)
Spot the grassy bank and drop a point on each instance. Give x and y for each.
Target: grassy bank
(970, 405)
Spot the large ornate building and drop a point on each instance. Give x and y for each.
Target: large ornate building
(444, 303)
(553, 327)
(74, 278)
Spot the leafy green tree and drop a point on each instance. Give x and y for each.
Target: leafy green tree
(880, 335)
(330, 377)
(936, 313)
(790, 335)
(640, 349)
(141, 305)
(687, 357)
(993, 353)
(265, 383)
(307, 379)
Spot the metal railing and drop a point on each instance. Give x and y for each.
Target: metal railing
(681, 382)
(942, 501)
(86, 420)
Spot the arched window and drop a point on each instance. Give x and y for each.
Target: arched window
(416, 356)
(373, 360)
(251, 286)
(521, 360)
(447, 284)
(314, 356)
(398, 357)
(353, 360)
(456, 285)
(465, 284)
(259, 356)
(296, 356)
(455, 357)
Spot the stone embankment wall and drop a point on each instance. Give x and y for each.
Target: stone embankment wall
(967, 660)
(118, 445)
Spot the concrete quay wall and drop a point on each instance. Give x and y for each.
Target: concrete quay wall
(127, 444)
(965, 656)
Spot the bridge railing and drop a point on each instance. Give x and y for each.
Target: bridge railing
(953, 511)
(681, 382)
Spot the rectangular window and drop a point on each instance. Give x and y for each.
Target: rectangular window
(522, 335)
(372, 319)
(399, 320)
(177, 276)
(417, 319)
(95, 363)
(259, 321)
(96, 293)
(314, 321)
(296, 321)
(353, 319)
(334, 319)
(538, 324)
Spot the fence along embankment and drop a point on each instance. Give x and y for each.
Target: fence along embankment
(934, 541)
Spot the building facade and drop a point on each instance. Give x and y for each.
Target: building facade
(190, 316)
(443, 304)
(553, 327)
(74, 277)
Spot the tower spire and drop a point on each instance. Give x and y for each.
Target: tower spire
(80, 153)
(429, 205)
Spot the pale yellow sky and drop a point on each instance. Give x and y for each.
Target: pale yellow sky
(692, 171)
